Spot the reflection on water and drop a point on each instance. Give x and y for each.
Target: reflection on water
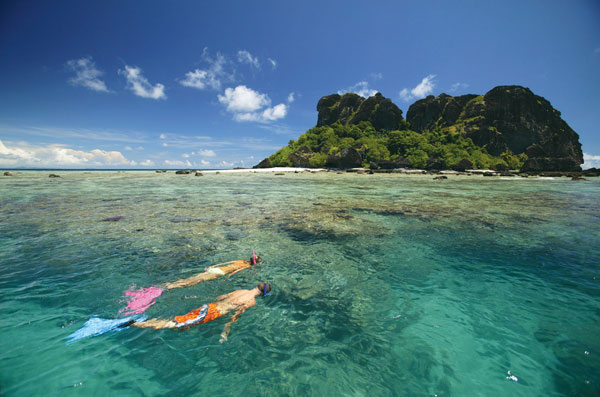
(383, 284)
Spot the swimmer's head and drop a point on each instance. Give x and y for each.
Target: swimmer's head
(255, 259)
(264, 288)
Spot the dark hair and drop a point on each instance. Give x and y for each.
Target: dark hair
(258, 260)
(264, 287)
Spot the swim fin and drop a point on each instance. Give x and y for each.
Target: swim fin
(97, 326)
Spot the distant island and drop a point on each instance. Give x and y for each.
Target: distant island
(507, 128)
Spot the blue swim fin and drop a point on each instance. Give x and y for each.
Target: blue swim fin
(97, 326)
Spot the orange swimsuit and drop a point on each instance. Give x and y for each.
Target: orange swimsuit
(200, 315)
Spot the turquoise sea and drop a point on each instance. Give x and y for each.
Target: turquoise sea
(383, 285)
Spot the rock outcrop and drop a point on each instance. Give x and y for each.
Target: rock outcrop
(352, 109)
(506, 118)
(266, 163)
(517, 129)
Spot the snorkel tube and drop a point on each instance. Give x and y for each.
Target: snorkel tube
(264, 291)
(253, 258)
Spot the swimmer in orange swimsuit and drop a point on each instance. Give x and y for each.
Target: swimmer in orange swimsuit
(239, 301)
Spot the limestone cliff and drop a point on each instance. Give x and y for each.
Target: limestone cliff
(506, 118)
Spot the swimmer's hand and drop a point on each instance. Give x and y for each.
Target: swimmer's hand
(223, 337)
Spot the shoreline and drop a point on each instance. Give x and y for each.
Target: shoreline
(441, 174)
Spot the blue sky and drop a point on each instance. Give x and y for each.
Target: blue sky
(123, 84)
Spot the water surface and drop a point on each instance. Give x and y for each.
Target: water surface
(383, 284)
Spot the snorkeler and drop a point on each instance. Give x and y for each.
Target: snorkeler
(143, 298)
(239, 300)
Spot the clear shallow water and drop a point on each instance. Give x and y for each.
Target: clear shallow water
(383, 284)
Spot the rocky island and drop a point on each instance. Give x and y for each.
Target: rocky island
(507, 128)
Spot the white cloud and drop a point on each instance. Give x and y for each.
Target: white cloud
(424, 88)
(590, 161)
(376, 76)
(245, 57)
(139, 148)
(226, 164)
(249, 105)
(163, 136)
(205, 163)
(147, 163)
(243, 99)
(165, 144)
(86, 74)
(291, 97)
(273, 63)
(210, 77)
(185, 155)
(198, 79)
(458, 87)
(24, 155)
(206, 153)
(140, 86)
(275, 113)
(178, 163)
(128, 148)
(361, 88)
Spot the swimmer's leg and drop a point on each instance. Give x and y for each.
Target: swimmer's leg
(187, 282)
(155, 323)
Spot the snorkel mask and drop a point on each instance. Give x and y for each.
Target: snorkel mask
(264, 291)
(256, 260)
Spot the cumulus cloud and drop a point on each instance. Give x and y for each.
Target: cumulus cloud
(245, 57)
(248, 105)
(273, 63)
(458, 87)
(275, 113)
(424, 88)
(86, 74)
(25, 155)
(361, 88)
(211, 77)
(291, 97)
(140, 86)
(590, 161)
(205, 163)
(243, 99)
(147, 163)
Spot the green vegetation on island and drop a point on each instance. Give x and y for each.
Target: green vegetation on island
(507, 128)
(441, 148)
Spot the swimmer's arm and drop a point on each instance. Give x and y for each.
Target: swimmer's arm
(227, 327)
(238, 270)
